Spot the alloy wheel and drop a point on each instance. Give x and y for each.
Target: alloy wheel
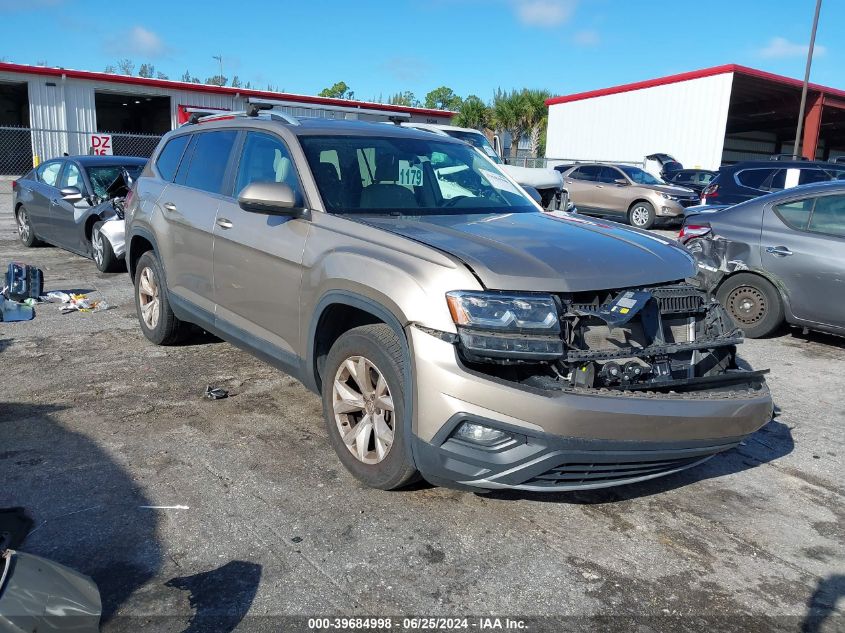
(363, 409)
(747, 305)
(640, 216)
(98, 246)
(24, 229)
(148, 297)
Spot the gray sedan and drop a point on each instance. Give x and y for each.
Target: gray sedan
(776, 258)
(70, 202)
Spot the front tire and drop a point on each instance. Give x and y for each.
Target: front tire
(642, 215)
(753, 303)
(25, 231)
(364, 406)
(102, 251)
(158, 323)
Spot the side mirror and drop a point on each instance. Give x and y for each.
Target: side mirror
(71, 194)
(535, 195)
(270, 198)
(621, 181)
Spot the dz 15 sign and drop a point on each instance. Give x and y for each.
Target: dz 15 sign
(101, 144)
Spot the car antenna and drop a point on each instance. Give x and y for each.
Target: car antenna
(396, 120)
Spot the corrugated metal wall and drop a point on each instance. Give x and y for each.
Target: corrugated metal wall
(685, 119)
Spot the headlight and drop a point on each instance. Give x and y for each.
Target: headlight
(503, 326)
(668, 197)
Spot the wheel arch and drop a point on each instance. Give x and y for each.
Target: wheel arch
(638, 200)
(138, 243)
(782, 293)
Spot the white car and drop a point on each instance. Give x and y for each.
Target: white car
(548, 182)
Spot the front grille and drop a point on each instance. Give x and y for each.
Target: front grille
(583, 473)
(690, 203)
(674, 299)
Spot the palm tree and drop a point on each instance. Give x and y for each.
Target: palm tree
(509, 115)
(535, 116)
(473, 113)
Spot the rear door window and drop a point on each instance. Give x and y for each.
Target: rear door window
(813, 175)
(829, 216)
(48, 173)
(168, 160)
(754, 178)
(796, 214)
(210, 156)
(589, 172)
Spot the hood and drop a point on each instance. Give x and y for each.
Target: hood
(551, 252)
(672, 190)
(537, 177)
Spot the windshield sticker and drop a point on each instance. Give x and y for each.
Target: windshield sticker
(499, 182)
(410, 176)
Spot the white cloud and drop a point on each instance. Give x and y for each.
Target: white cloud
(780, 47)
(587, 37)
(545, 13)
(139, 42)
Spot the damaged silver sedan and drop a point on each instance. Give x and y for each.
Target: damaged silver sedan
(76, 203)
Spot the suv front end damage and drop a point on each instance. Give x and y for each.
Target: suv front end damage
(586, 390)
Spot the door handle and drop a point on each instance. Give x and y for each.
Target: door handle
(779, 251)
(55, 201)
(169, 206)
(224, 223)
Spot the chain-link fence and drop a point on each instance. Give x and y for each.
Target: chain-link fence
(551, 162)
(22, 148)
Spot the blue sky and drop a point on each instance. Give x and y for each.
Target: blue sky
(472, 46)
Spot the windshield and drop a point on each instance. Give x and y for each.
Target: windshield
(101, 176)
(408, 176)
(640, 176)
(476, 139)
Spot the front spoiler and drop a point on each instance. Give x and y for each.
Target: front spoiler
(542, 462)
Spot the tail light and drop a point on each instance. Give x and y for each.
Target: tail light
(14, 185)
(689, 231)
(711, 191)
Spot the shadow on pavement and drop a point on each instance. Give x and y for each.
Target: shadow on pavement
(84, 504)
(822, 604)
(220, 597)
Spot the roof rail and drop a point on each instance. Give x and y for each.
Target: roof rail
(253, 112)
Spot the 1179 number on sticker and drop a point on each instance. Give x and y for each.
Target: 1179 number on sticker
(411, 176)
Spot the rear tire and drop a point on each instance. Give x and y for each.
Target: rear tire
(158, 323)
(753, 303)
(26, 232)
(364, 406)
(642, 215)
(102, 251)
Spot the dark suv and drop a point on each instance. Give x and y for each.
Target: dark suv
(747, 180)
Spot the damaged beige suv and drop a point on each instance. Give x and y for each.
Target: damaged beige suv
(453, 329)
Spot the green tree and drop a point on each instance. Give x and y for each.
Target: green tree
(217, 80)
(535, 117)
(146, 70)
(236, 82)
(186, 77)
(509, 115)
(110, 69)
(473, 112)
(126, 66)
(406, 98)
(338, 91)
(442, 98)
(161, 75)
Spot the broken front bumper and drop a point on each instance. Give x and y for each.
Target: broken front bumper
(567, 438)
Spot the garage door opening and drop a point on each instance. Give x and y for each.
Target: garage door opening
(15, 140)
(135, 114)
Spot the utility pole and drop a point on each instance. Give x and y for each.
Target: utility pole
(219, 58)
(797, 148)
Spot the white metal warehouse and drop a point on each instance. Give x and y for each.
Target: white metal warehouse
(45, 112)
(703, 118)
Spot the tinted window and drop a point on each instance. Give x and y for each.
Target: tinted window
(168, 160)
(48, 173)
(796, 214)
(640, 176)
(609, 174)
(266, 159)
(753, 178)
(829, 216)
(209, 159)
(588, 172)
(813, 175)
(72, 178)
